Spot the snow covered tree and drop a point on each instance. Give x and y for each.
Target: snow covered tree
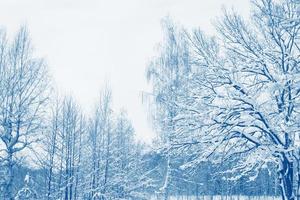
(71, 131)
(100, 144)
(130, 179)
(51, 147)
(23, 96)
(62, 154)
(114, 159)
(165, 75)
(241, 97)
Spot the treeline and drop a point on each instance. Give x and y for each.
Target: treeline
(95, 158)
(213, 137)
(68, 154)
(207, 180)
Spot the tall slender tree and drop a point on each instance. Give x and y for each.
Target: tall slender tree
(164, 73)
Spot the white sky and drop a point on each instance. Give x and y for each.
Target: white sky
(90, 42)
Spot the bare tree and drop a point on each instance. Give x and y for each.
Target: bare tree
(71, 132)
(100, 140)
(51, 144)
(23, 97)
(114, 162)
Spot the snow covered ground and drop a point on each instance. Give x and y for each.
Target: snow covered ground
(219, 198)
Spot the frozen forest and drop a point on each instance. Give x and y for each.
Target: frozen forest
(225, 109)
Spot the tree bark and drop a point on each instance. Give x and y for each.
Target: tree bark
(8, 187)
(286, 173)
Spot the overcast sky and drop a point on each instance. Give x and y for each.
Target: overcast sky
(90, 42)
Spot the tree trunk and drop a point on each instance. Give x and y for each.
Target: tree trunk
(286, 174)
(8, 187)
(297, 174)
(165, 188)
(51, 164)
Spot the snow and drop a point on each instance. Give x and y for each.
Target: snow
(219, 198)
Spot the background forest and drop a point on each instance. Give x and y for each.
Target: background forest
(225, 109)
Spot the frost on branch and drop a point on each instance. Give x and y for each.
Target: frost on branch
(240, 98)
